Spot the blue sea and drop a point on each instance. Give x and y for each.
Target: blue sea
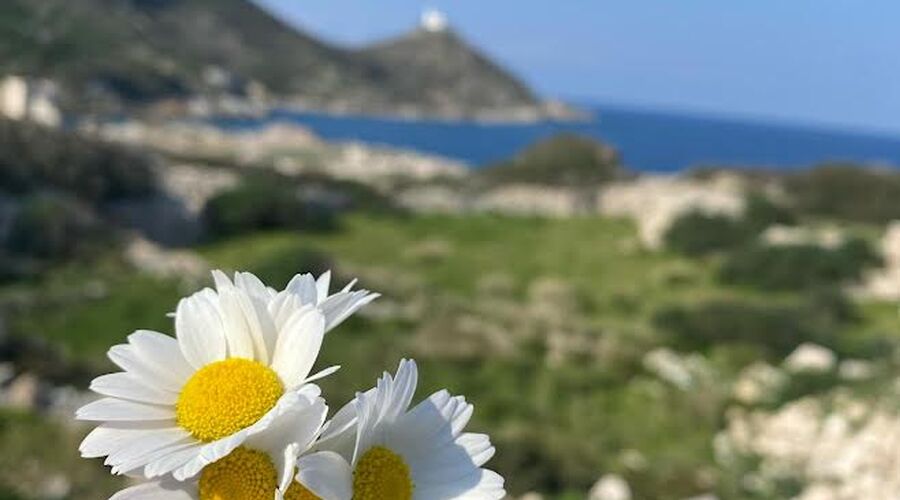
(647, 141)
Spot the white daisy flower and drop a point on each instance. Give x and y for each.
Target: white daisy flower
(376, 448)
(263, 467)
(242, 356)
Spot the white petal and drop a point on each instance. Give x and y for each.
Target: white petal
(298, 346)
(299, 426)
(190, 464)
(158, 490)
(221, 279)
(237, 332)
(111, 436)
(149, 462)
(112, 409)
(199, 329)
(260, 325)
(304, 286)
(321, 374)
(286, 464)
(171, 459)
(127, 386)
(252, 285)
(402, 389)
(283, 306)
(341, 305)
(163, 352)
(322, 285)
(326, 474)
(139, 448)
(144, 358)
(477, 446)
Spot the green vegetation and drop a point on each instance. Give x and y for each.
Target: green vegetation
(52, 455)
(494, 325)
(697, 233)
(562, 160)
(846, 192)
(55, 227)
(773, 329)
(798, 267)
(34, 158)
(263, 203)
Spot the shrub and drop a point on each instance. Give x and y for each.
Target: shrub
(847, 192)
(798, 267)
(698, 233)
(34, 158)
(263, 203)
(566, 160)
(774, 328)
(55, 227)
(760, 213)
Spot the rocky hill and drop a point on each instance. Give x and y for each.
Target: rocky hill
(439, 68)
(113, 52)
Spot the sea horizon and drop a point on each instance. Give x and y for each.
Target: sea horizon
(648, 140)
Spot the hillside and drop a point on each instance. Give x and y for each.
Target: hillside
(440, 69)
(105, 52)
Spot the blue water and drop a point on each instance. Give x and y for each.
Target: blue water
(648, 141)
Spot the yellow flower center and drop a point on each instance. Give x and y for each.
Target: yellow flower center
(226, 396)
(381, 474)
(245, 474)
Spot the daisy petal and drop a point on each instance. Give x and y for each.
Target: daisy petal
(158, 490)
(341, 305)
(298, 346)
(200, 330)
(304, 286)
(326, 474)
(126, 386)
(112, 409)
(323, 283)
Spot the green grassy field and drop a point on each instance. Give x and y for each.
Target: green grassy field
(542, 324)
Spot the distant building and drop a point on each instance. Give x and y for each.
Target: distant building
(22, 99)
(434, 21)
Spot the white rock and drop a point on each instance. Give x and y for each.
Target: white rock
(884, 283)
(656, 201)
(682, 371)
(758, 383)
(810, 358)
(23, 392)
(525, 199)
(610, 487)
(856, 369)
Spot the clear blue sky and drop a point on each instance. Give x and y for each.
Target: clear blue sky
(829, 62)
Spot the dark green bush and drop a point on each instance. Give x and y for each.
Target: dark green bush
(55, 227)
(774, 328)
(264, 203)
(798, 267)
(35, 158)
(761, 213)
(697, 233)
(565, 159)
(846, 192)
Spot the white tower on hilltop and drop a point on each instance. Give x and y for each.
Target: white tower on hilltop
(433, 20)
